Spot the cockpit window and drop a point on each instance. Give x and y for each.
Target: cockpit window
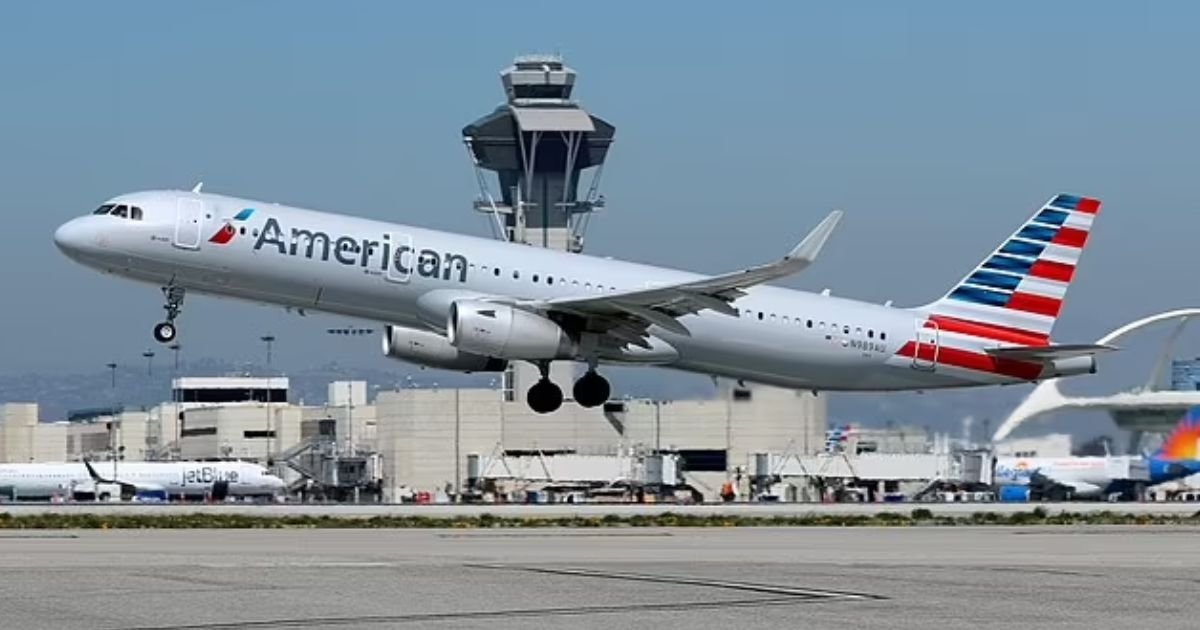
(105, 209)
(121, 211)
(135, 213)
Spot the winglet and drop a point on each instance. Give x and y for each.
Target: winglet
(808, 249)
(197, 187)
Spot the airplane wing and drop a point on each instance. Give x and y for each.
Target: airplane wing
(1049, 353)
(626, 315)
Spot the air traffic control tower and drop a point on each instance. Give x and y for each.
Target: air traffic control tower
(539, 143)
(542, 147)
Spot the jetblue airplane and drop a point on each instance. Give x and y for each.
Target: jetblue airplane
(473, 304)
(219, 479)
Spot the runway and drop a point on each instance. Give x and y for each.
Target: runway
(894, 578)
(566, 510)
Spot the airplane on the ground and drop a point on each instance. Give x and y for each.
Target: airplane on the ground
(473, 304)
(1095, 476)
(130, 479)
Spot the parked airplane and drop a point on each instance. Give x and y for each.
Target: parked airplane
(471, 304)
(1094, 476)
(218, 479)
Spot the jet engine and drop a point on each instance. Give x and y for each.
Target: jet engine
(433, 350)
(499, 330)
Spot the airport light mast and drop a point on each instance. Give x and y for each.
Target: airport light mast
(539, 143)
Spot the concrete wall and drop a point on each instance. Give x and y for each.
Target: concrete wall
(416, 430)
(226, 430)
(24, 439)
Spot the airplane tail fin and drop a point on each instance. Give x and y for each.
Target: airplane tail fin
(1016, 293)
(1183, 443)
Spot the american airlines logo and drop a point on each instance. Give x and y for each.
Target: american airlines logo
(395, 259)
(228, 231)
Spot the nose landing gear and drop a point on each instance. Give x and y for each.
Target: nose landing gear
(165, 332)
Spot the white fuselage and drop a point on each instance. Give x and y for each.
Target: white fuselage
(175, 478)
(408, 276)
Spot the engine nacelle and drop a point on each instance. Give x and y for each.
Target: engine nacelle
(499, 330)
(433, 350)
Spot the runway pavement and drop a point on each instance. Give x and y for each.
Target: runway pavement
(562, 510)
(894, 579)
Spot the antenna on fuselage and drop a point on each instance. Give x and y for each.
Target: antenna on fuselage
(197, 187)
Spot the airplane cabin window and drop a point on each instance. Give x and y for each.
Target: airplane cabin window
(497, 271)
(870, 334)
(105, 209)
(135, 213)
(882, 335)
(535, 277)
(549, 279)
(760, 315)
(810, 323)
(516, 274)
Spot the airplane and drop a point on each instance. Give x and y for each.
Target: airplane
(1064, 478)
(218, 479)
(474, 305)
(1094, 476)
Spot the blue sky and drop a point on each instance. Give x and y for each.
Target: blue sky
(938, 127)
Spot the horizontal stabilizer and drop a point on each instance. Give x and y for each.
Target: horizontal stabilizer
(1049, 353)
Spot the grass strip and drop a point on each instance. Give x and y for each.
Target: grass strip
(920, 517)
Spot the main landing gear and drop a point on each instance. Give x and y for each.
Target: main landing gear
(591, 390)
(165, 332)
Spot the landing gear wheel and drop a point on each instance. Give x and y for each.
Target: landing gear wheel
(164, 332)
(591, 390)
(544, 397)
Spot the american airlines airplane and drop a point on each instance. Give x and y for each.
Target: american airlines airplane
(219, 479)
(473, 304)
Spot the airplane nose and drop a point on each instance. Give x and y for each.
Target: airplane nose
(71, 236)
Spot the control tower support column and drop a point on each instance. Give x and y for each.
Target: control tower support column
(539, 143)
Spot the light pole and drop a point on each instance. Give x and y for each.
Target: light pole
(350, 331)
(175, 348)
(149, 356)
(112, 368)
(268, 339)
(658, 423)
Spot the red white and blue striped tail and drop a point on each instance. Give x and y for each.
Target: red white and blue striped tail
(1015, 295)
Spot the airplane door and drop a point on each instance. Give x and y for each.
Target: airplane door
(927, 345)
(403, 258)
(188, 223)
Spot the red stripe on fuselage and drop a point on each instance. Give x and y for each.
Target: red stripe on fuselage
(1088, 206)
(1071, 237)
(978, 362)
(1051, 270)
(988, 331)
(1034, 304)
